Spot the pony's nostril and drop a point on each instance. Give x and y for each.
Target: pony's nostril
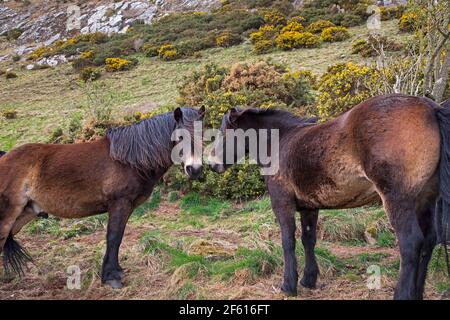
(189, 169)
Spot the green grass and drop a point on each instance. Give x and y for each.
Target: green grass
(67, 228)
(386, 239)
(194, 204)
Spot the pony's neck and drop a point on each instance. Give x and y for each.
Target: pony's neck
(280, 120)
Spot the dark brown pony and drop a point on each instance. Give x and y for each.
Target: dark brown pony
(395, 148)
(114, 174)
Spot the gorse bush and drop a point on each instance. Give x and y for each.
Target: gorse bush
(410, 21)
(90, 74)
(392, 12)
(167, 52)
(292, 39)
(342, 87)
(334, 34)
(319, 25)
(293, 26)
(118, 64)
(273, 17)
(228, 39)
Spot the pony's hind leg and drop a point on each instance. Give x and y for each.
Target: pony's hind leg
(119, 213)
(309, 227)
(14, 256)
(25, 217)
(402, 214)
(425, 207)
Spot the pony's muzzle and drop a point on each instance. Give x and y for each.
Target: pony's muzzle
(194, 171)
(218, 168)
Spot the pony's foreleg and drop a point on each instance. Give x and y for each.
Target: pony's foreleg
(284, 208)
(309, 227)
(119, 212)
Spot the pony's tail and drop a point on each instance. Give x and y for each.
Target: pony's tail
(15, 257)
(443, 203)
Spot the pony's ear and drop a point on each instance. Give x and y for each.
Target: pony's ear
(178, 115)
(201, 112)
(234, 114)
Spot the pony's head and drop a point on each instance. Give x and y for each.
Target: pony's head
(191, 153)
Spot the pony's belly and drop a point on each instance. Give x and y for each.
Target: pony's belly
(67, 206)
(351, 193)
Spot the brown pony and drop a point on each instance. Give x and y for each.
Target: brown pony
(393, 147)
(114, 174)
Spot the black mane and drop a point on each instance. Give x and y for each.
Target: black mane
(286, 117)
(146, 145)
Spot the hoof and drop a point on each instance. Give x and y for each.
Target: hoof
(308, 284)
(289, 292)
(115, 284)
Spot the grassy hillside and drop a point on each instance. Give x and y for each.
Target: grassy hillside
(44, 98)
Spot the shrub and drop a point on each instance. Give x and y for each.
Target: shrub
(334, 34)
(371, 46)
(87, 55)
(393, 12)
(259, 84)
(94, 38)
(238, 182)
(79, 64)
(263, 46)
(150, 50)
(341, 87)
(117, 64)
(266, 32)
(347, 20)
(308, 76)
(273, 17)
(15, 58)
(42, 52)
(14, 34)
(10, 75)
(409, 21)
(9, 113)
(89, 74)
(228, 39)
(291, 39)
(293, 26)
(298, 19)
(200, 83)
(168, 52)
(319, 25)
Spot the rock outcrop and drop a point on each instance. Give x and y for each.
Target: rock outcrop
(48, 21)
